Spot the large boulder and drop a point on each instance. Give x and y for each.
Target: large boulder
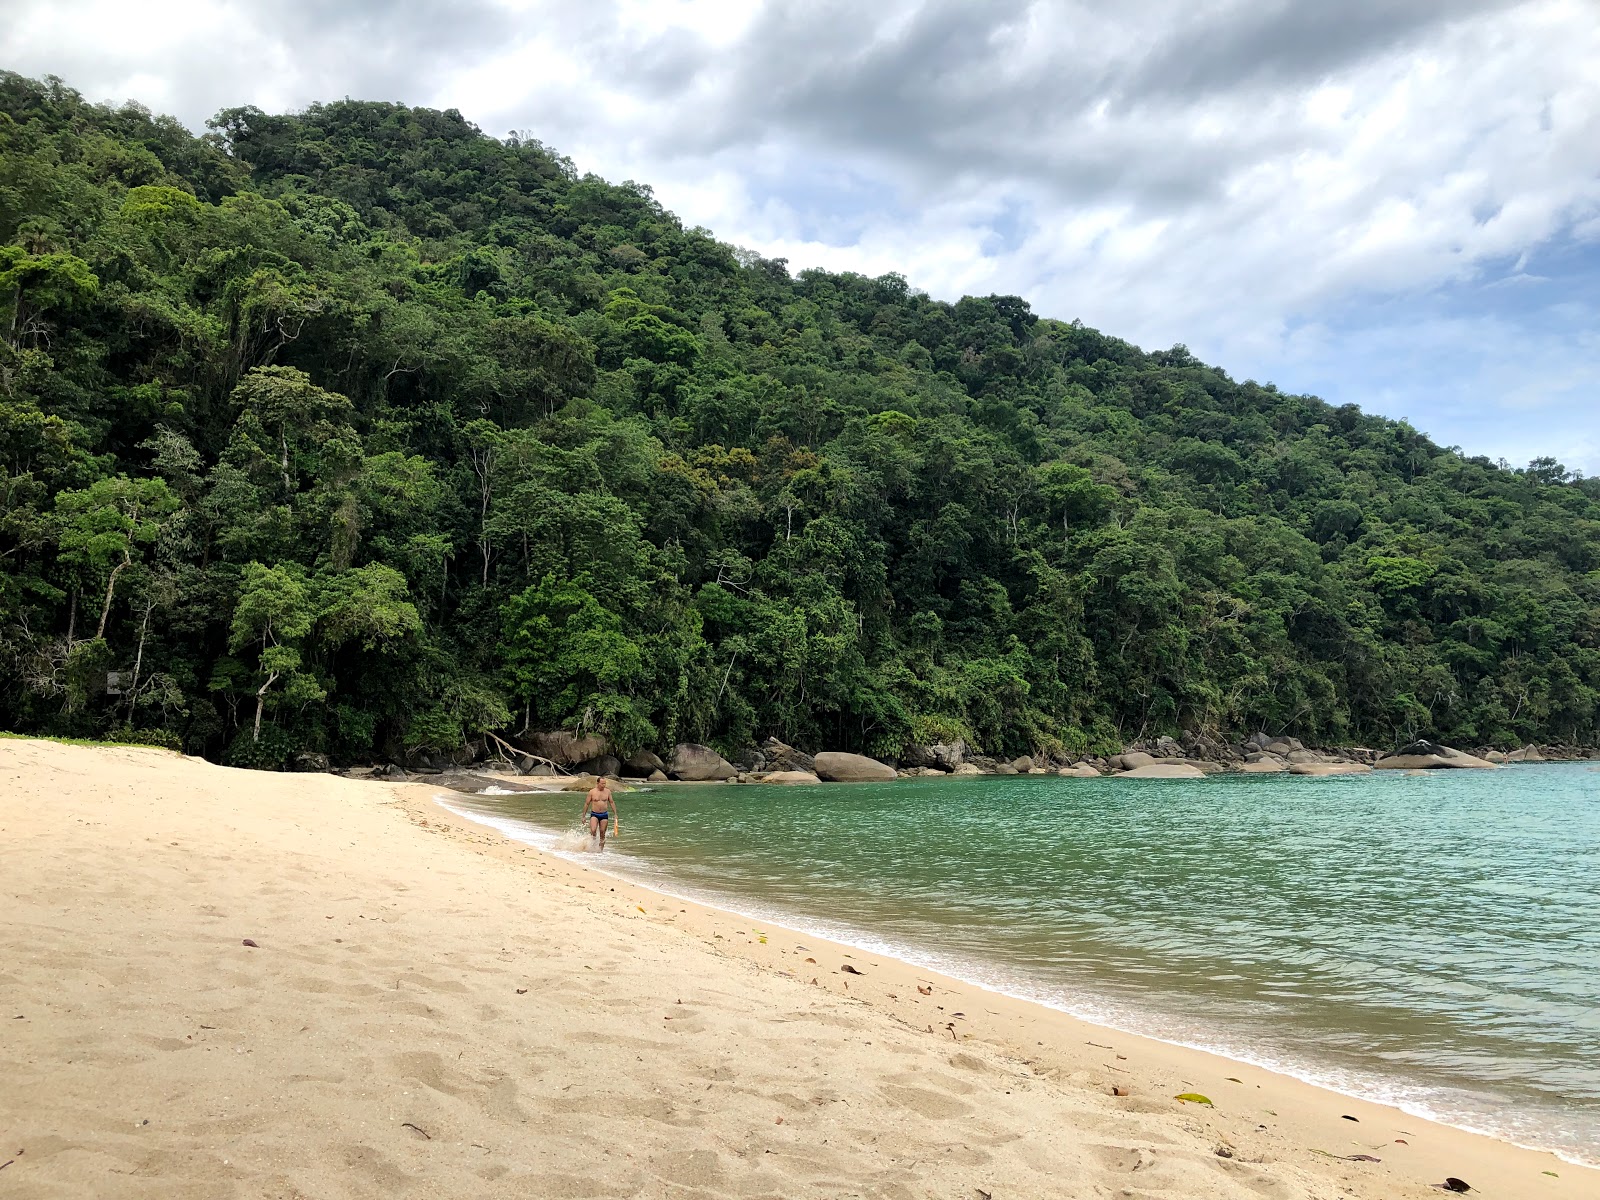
(1081, 770)
(942, 756)
(1023, 764)
(791, 777)
(658, 777)
(640, 763)
(1264, 764)
(698, 764)
(1167, 747)
(838, 767)
(1166, 770)
(1526, 754)
(308, 760)
(1428, 756)
(1131, 761)
(563, 748)
(968, 769)
(782, 757)
(1329, 768)
(602, 764)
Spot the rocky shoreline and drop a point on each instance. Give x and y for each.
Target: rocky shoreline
(566, 759)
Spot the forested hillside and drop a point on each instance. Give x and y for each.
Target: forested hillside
(360, 431)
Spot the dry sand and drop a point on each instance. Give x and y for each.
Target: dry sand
(433, 1011)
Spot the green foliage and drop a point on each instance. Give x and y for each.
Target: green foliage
(358, 430)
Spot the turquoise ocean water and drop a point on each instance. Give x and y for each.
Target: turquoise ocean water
(1429, 940)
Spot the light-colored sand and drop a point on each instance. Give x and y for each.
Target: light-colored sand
(432, 1011)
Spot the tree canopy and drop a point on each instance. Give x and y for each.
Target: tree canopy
(360, 431)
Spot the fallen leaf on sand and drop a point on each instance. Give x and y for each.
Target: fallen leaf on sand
(812, 961)
(777, 1120)
(1452, 1184)
(1119, 1091)
(1193, 1098)
(417, 1129)
(1552, 1174)
(1231, 1079)
(1348, 1117)
(522, 991)
(251, 942)
(924, 991)
(849, 970)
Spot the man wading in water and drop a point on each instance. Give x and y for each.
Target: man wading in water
(599, 807)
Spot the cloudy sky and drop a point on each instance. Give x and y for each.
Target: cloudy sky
(1394, 203)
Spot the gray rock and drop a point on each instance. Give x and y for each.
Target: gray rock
(968, 769)
(944, 756)
(1526, 754)
(1082, 770)
(657, 777)
(1163, 770)
(1427, 756)
(783, 757)
(308, 760)
(698, 763)
(1023, 764)
(838, 767)
(533, 766)
(565, 749)
(791, 778)
(640, 763)
(601, 764)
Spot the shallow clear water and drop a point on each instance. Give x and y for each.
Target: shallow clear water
(1432, 940)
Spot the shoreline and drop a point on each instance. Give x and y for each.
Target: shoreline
(422, 1006)
(1016, 1008)
(928, 962)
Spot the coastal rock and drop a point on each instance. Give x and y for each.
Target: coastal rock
(532, 766)
(641, 763)
(1427, 756)
(1081, 770)
(838, 767)
(579, 783)
(1005, 769)
(1038, 771)
(1023, 764)
(1264, 764)
(967, 769)
(697, 763)
(308, 760)
(1526, 754)
(1328, 768)
(391, 771)
(1167, 770)
(1131, 761)
(1494, 756)
(1167, 747)
(943, 756)
(782, 757)
(602, 764)
(657, 777)
(565, 749)
(1304, 756)
(791, 777)
(1205, 767)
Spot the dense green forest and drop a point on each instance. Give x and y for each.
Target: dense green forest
(360, 431)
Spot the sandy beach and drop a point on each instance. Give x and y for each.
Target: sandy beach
(429, 1009)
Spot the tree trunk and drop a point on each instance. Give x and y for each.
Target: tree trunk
(261, 699)
(138, 660)
(111, 587)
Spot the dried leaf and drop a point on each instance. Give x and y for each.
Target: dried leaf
(1452, 1184)
(417, 1129)
(812, 961)
(522, 991)
(849, 970)
(1348, 1117)
(251, 942)
(1194, 1098)
(926, 991)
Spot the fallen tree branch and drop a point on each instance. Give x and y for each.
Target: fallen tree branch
(504, 745)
